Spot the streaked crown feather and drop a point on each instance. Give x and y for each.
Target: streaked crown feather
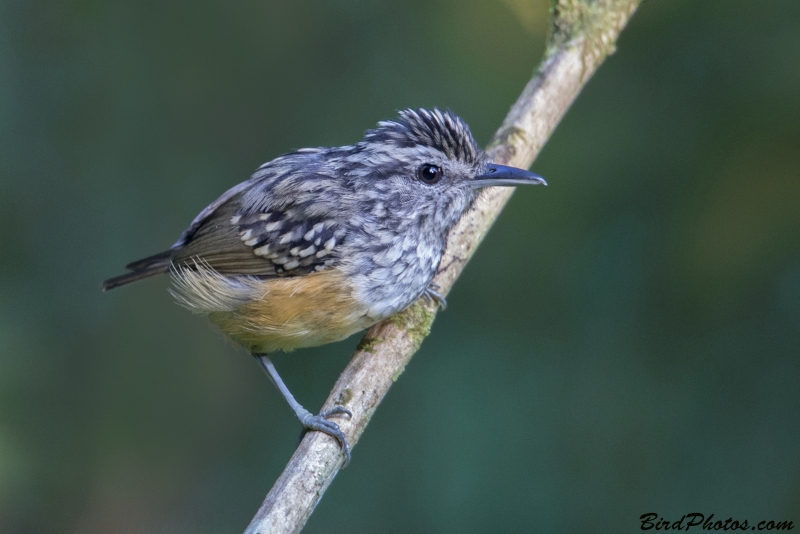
(437, 129)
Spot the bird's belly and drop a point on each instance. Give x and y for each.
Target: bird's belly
(291, 313)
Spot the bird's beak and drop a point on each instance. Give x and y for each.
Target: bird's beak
(503, 175)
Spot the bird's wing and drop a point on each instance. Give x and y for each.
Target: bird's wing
(277, 240)
(209, 210)
(281, 222)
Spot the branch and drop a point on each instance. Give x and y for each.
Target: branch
(582, 34)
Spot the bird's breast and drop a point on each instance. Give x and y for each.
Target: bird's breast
(389, 275)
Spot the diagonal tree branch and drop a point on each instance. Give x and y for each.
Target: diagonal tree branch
(582, 34)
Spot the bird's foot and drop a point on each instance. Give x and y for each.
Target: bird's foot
(432, 294)
(320, 423)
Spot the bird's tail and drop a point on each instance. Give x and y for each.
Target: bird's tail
(144, 268)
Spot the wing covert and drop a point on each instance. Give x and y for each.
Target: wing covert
(283, 241)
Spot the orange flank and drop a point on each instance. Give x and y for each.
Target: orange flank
(295, 312)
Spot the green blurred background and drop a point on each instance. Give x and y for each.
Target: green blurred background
(625, 341)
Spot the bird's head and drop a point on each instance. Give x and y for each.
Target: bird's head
(425, 166)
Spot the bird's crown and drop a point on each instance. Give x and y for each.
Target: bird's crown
(440, 130)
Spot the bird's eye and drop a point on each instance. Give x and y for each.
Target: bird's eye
(430, 174)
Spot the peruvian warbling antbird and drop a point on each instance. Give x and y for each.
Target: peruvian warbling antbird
(324, 242)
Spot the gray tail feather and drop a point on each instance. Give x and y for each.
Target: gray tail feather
(150, 260)
(144, 268)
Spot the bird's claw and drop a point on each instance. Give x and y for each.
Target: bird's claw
(336, 410)
(320, 423)
(432, 294)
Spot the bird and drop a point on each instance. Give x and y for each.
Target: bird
(321, 243)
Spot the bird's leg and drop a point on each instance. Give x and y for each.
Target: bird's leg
(432, 294)
(307, 419)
